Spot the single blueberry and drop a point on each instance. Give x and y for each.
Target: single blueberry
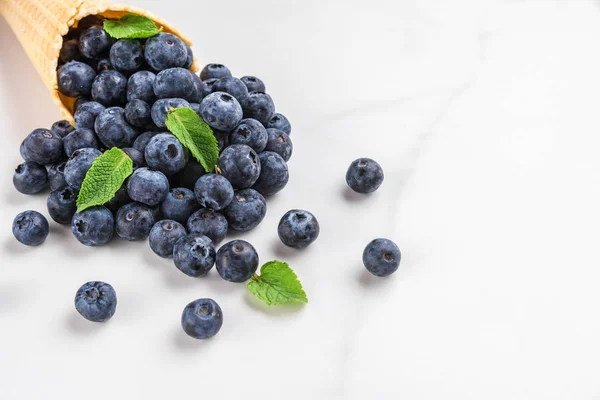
(237, 261)
(96, 301)
(69, 51)
(202, 318)
(175, 83)
(279, 121)
(214, 71)
(274, 174)
(110, 88)
(221, 111)
(62, 128)
(112, 128)
(208, 86)
(134, 221)
(161, 108)
(199, 89)
(30, 177)
(381, 257)
(364, 175)
(148, 187)
(188, 176)
(30, 228)
(163, 236)
(94, 42)
(86, 114)
(23, 151)
(140, 86)
(251, 133)
(93, 226)
(165, 153)
(279, 142)
(179, 204)
(240, 165)
(137, 113)
(119, 199)
(190, 58)
(62, 204)
(44, 147)
(253, 84)
(234, 87)
(165, 50)
(78, 139)
(78, 165)
(259, 106)
(208, 223)
(298, 229)
(75, 79)
(103, 65)
(213, 191)
(194, 255)
(142, 140)
(79, 102)
(56, 175)
(222, 139)
(246, 211)
(126, 55)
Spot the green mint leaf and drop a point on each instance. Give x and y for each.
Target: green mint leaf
(131, 26)
(104, 178)
(277, 284)
(194, 134)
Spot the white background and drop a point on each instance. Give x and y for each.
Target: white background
(485, 117)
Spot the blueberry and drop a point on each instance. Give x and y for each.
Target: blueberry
(188, 176)
(221, 111)
(119, 199)
(79, 102)
(253, 84)
(78, 139)
(86, 114)
(175, 83)
(134, 221)
(30, 177)
(364, 175)
(274, 174)
(78, 165)
(196, 108)
(222, 139)
(214, 71)
(56, 175)
(279, 121)
(96, 301)
(140, 86)
(165, 50)
(112, 128)
(237, 261)
(381, 257)
(298, 229)
(142, 140)
(208, 223)
(110, 88)
(194, 255)
(44, 147)
(246, 211)
(30, 228)
(259, 106)
(148, 187)
(23, 151)
(75, 79)
(202, 318)
(179, 204)
(233, 86)
(161, 108)
(240, 165)
(213, 191)
(136, 156)
(165, 153)
(199, 89)
(279, 142)
(208, 86)
(137, 113)
(69, 51)
(163, 236)
(94, 42)
(62, 204)
(103, 65)
(251, 133)
(190, 58)
(93, 226)
(126, 55)
(62, 128)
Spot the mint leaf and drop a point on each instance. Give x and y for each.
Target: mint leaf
(277, 284)
(131, 26)
(194, 134)
(104, 178)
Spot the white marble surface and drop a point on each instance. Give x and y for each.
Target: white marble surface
(484, 115)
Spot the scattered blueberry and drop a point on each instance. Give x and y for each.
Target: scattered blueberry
(137, 113)
(140, 86)
(163, 236)
(274, 174)
(62, 128)
(279, 121)
(110, 88)
(126, 55)
(213, 191)
(253, 84)
(94, 42)
(202, 319)
(298, 229)
(246, 211)
(161, 108)
(221, 111)
(62, 204)
(44, 147)
(259, 106)
(194, 255)
(251, 133)
(30, 228)
(148, 187)
(23, 151)
(30, 177)
(86, 114)
(75, 79)
(214, 71)
(93, 226)
(78, 165)
(165, 50)
(165, 153)
(381, 257)
(134, 221)
(113, 130)
(96, 301)
(78, 139)
(364, 175)
(56, 175)
(208, 223)
(240, 165)
(136, 156)
(279, 142)
(175, 83)
(179, 205)
(237, 261)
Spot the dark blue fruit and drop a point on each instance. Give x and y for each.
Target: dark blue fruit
(126, 55)
(274, 174)
(279, 142)
(251, 133)
(148, 187)
(234, 87)
(134, 221)
(202, 318)
(259, 106)
(253, 84)
(30, 177)
(298, 229)
(86, 114)
(196, 108)
(137, 113)
(279, 121)
(176, 83)
(75, 79)
(214, 71)
(93, 226)
(140, 86)
(199, 89)
(136, 156)
(364, 175)
(194, 255)
(213, 191)
(30, 228)
(94, 42)
(163, 236)
(190, 58)
(62, 128)
(69, 51)
(78, 165)
(208, 223)
(56, 175)
(221, 111)
(165, 153)
(44, 147)
(119, 199)
(246, 211)
(23, 151)
(381, 257)
(165, 50)
(142, 140)
(62, 204)
(78, 139)
(96, 301)
(112, 128)
(208, 86)
(110, 88)
(188, 176)
(161, 108)
(179, 205)
(237, 261)
(79, 102)
(240, 165)
(103, 65)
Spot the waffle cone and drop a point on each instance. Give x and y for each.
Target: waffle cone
(40, 25)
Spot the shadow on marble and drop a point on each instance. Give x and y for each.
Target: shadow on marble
(283, 252)
(369, 281)
(353, 197)
(278, 311)
(187, 344)
(13, 246)
(77, 325)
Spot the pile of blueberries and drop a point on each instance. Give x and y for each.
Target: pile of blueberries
(123, 90)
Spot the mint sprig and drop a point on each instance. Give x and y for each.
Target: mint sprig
(277, 284)
(104, 178)
(131, 26)
(194, 134)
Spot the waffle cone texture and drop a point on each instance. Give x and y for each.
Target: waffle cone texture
(41, 24)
